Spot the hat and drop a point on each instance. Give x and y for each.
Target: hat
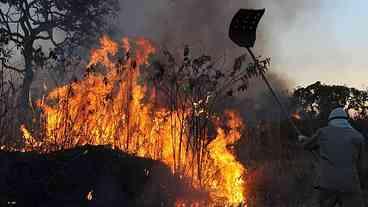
(338, 113)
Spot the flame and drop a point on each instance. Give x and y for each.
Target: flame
(115, 108)
(231, 182)
(27, 135)
(296, 116)
(30, 141)
(102, 54)
(89, 196)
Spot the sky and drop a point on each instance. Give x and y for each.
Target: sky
(327, 44)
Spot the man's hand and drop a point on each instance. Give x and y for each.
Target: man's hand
(302, 138)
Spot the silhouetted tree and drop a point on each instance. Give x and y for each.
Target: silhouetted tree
(25, 24)
(317, 100)
(200, 85)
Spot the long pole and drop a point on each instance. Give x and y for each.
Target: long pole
(274, 94)
(315, 155)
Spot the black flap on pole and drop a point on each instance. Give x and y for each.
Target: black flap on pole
(244, 25)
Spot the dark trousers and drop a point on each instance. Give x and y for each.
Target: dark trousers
(329, 198)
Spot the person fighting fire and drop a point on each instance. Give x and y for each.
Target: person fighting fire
(340, 149)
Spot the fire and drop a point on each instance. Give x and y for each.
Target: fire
(118, 108)
(101, 55)
(89, 196)
(27, 135)
(30, 141)
(296, 116)
(231, 181)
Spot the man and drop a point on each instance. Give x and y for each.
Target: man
(340, 149)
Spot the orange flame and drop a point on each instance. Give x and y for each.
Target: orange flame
(296, 116)
(89, 196)
(115, 108)
(232, 172)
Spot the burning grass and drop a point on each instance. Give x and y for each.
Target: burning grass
(116, 104)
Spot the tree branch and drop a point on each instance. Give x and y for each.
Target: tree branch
(6, 66)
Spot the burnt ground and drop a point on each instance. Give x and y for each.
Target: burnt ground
(65, 178)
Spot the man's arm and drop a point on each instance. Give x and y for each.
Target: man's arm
(310, 143)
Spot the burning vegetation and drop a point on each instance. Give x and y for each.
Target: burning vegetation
(127, 100)
(146, 106)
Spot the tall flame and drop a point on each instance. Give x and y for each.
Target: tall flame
(115, 108)
(231, 180)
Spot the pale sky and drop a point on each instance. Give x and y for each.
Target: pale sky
(327, 44)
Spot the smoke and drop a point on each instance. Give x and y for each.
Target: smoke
(204, 26)
(205, 23)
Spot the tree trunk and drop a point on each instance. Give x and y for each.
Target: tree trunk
(24, 99)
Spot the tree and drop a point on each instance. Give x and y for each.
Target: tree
(195, 89)
(25, 24)
(317, 100)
